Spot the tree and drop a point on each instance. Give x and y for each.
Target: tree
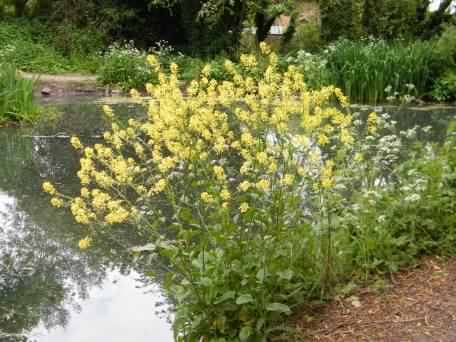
(387, 19)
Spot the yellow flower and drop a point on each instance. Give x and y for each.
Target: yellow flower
(262, 158)
(108, 111)
(174, 68)
(159, 186)
(288, 179)
(372, 123)
(272, 167)
(135, 94)
(244, 186)
(225, 195)
(49, 188)
(247, 139)
(207, 198)
(76, 143)
(85, 192)
(323, 139)
(206, 70)
(153, 61)
(85, 243)
(56, 202)
(244, 207)
(358, 157)
(327, 183)
(265, 49)
(219, 173)
(346, 137)
(263, 185)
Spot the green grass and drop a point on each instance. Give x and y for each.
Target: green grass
(367, 70)
(16, 96)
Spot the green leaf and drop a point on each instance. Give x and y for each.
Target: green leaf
(150, 247)
(225, 296)
(245, 333)
(287, 274)
(278, 307)
(244, 299)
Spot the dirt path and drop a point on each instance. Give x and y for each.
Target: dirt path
(419, 307)
(69, 78)
(69, 84)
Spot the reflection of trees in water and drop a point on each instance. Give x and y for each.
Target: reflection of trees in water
(42, 272)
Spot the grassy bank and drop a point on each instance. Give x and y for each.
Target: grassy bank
(16, 96)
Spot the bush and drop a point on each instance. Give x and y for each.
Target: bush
(30, 46)
(307, 37)
(445, 88)
(371, 71)
(16, 96)
(249, 214)
(126, 66)
(446, 47)
(313, 67)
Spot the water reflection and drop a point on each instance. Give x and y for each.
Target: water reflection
(49, 289)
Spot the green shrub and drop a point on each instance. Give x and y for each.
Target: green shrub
(125, 66)
(446, 47)
(313, 67)
(445, 88)
(371, 71)
(307, 37)
(31, 47)
(16, 96)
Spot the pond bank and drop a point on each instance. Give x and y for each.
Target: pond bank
(64, 85)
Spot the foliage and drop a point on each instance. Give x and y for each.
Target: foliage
(387, 19)
(446, 47)
(445, 88)
(126, 66)
(30, 46)
(313, 67)
(16, 96)
(249, 214)
(306, 37)
(373, 70)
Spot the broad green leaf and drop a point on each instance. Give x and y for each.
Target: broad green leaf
(244, 299)
(287, 274)
(245, 333)
(278, 307)
(225, 296)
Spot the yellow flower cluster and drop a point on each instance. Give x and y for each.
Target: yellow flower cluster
(85, 243)
(49, 188)
(372, 123)
(326, 178)
(238, 134)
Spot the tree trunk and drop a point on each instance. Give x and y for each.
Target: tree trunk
(19, 7)
(263, 26)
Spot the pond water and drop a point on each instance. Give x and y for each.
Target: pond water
(50, 291)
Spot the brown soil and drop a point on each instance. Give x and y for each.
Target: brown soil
(68, 84)
(420, 306)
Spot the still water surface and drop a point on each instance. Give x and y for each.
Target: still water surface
(50, 291)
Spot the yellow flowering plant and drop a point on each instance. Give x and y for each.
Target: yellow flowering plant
(235, 181)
